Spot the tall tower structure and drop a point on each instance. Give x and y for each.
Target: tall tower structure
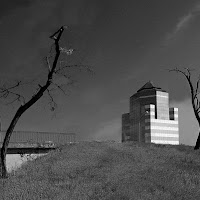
(150, 119)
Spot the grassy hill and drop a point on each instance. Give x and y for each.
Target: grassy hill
(109, 171)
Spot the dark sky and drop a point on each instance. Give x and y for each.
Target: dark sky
(127, 42)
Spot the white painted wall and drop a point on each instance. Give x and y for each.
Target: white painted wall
(14, 161)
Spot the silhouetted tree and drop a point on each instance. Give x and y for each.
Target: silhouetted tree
(54, 69)
(194, 90)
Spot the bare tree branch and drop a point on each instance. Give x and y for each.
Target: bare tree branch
(19, 98)
(10, 88)
(79, 67)
(28, 104)
(52, 102)
(60, 88)
(177, 70)
(48, 63)
(194, 93)
(197, 103)
(197, 87)
(53, 70)
(7, 91)
(188, 77)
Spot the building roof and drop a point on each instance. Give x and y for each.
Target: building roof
(150, 85)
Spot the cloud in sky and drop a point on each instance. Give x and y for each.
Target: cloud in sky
(184, 22)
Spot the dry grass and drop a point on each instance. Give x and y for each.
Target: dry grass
(108, 171)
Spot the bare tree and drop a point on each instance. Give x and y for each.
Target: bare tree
(194, 90)
(55, 68)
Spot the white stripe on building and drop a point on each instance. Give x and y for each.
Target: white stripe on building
(162, 96)
(164, 135)
(161, 128)
(150, 113)
(164, 142)
(162, 121)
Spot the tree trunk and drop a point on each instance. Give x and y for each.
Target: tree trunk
(33, 100)
(198, 119)
(18, 114)
(197, 143)
(6, 142)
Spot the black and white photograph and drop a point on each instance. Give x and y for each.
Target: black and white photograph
(99, 100)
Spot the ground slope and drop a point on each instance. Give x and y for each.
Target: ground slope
(108, 170)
